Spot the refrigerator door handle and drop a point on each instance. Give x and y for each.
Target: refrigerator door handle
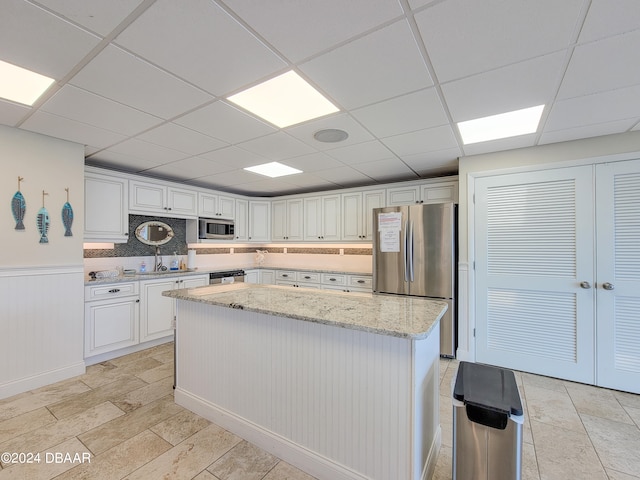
(404, 253)
(404, 240)
(410, 241)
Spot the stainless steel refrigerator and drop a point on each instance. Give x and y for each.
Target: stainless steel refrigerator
(415, 253)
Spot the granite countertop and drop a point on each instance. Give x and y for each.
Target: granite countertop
(146, 276)
(205, 271)
(392, 315)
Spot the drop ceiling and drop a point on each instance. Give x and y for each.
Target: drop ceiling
(143, 84)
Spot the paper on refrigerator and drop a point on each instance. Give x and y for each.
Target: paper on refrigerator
(389, 226)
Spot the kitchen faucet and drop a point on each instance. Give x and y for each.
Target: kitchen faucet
(158, 264)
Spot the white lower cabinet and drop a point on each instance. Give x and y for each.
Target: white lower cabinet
(111, 317)
(252, 276)
(346, 282)
(156, 311)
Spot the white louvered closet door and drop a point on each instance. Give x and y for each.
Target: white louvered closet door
(534, 248)
(618, 280)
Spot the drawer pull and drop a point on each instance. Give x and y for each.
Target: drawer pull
(360, 281)
(333, 279)
(284, 275)
(114, 290)
(307, 277)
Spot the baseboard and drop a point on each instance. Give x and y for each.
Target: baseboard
(36, 381)
(432, 458)
(297, 455)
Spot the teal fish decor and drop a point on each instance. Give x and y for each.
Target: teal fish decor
(18, 207)
(67, 216)
(42, 221)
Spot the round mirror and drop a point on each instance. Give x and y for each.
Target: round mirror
(154, 233)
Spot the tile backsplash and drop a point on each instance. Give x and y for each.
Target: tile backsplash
(135, 248)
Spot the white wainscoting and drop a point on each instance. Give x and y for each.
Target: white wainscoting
(41, 326)
(337, 403)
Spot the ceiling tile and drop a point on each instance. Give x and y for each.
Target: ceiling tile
(76, 104)
(301, 29)
(96, 15)
(464, 38)
(525, 84)
(222, 121)
(415, 111)
(604, 107)
(182, 139)
(596, 130)
(313, 162)
(277, 146)
(120, 76)
(26, 33)
(362, 152)
(610, 17)
(309, 181)
(234, 156)
(67, 129)
(305, 132)
(147, 151)
(11, 113)
(188, 41)
(425, 164)
(367, 70)
(603, 65)
(193, 167)
(386, 170)
(344, 176)
(430, 140)
(228, 179)
(120, 161)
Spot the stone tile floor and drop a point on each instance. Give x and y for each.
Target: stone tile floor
(120, 415)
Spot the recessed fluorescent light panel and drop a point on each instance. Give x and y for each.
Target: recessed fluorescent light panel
(510, 124)
(21, 85)
(273, 169)
(284, 100)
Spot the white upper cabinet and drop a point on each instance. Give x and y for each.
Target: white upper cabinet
(357, 208)
(216, 206)
(435, 192)
(106, 203)
(322, 218)
(158, 199)
(287, 219)
(242, 219)
(259, 221)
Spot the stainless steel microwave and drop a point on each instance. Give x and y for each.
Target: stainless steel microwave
(216, 229)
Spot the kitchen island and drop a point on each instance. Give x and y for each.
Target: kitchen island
(342, 385)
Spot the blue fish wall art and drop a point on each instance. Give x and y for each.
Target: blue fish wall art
(42, 220)
(18, 207)
(67, 216)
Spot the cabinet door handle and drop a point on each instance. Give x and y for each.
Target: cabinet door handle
(138, 300)
(608, 286)
(114, 290)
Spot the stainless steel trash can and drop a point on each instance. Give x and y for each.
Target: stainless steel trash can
(487, 424)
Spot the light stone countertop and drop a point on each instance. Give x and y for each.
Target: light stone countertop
(205, 271)
(392, 315)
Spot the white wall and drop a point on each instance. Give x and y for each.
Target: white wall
(41, 285)
(576, 152)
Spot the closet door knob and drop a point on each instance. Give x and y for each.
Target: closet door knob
(586, 285)
(608, 286)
